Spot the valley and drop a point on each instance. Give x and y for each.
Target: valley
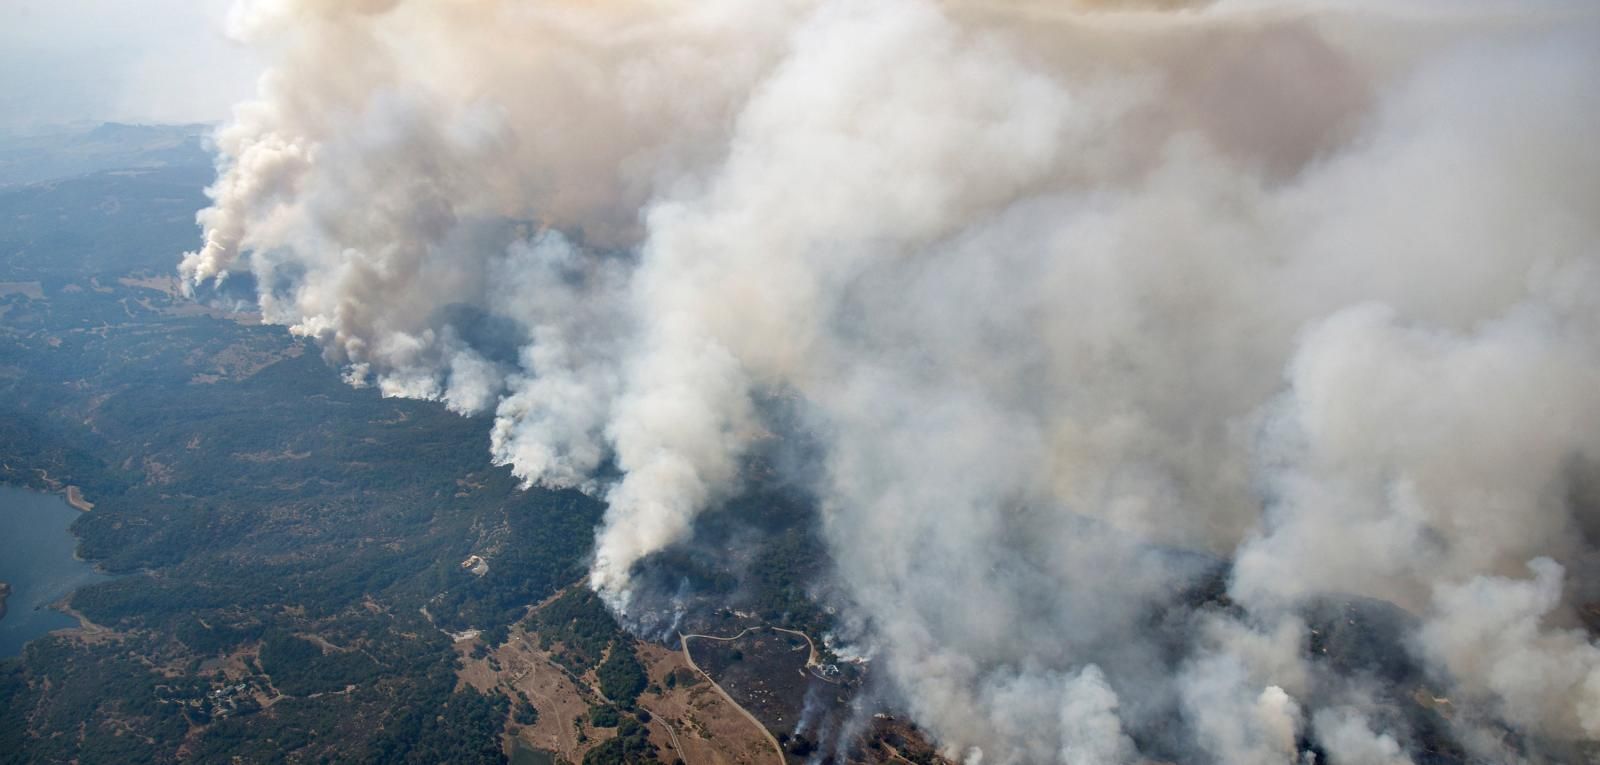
(287, 550)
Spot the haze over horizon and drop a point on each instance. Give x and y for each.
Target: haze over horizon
(140, 61)
(1142, 380)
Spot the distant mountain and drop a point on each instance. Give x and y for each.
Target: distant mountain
(73, 151)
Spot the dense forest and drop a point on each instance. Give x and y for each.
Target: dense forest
(287, 549)
(260, 514)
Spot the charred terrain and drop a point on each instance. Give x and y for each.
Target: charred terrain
(1099, 382)
(311, 572)
(289, 551)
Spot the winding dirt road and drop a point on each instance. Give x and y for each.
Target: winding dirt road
(812, 660)
(683, 643)
(676, 747)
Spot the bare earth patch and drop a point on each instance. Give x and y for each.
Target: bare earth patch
(689, 720)
(709, 729)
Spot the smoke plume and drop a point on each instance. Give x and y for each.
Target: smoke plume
(1084, 302)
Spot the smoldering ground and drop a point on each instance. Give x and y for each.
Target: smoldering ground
(1082, 303)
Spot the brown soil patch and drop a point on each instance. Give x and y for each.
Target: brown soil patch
(708, 728)
(690, 721)
(559, 699)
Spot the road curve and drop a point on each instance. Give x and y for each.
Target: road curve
(814, 659)
(683, 643)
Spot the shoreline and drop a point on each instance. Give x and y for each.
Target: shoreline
(85, 627)
(5, 593)
(75, 498)
(73, 494)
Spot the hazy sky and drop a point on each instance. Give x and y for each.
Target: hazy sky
(129, 60)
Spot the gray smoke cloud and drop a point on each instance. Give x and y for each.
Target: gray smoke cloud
(1078, 299)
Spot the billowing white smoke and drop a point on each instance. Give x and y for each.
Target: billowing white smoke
(1064, 288)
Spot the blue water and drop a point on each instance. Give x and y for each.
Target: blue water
(36, 560)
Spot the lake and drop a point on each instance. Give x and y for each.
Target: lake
(36, 560)
(523, 754)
